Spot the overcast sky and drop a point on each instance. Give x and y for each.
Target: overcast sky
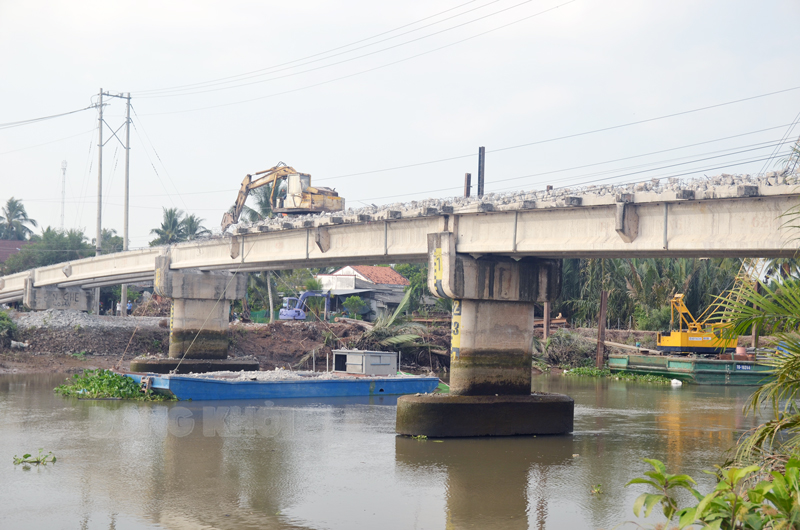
(338, 88)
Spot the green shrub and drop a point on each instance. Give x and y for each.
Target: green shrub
(7, 329)
(566, 348)
(354, 304)
(652, 319)
(733, 504)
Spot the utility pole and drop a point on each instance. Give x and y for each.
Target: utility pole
(63, 189)
(124, 295)
(127, 146)
(98, 245)
(481, 160)
(467, 183)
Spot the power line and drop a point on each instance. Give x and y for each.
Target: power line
(262, 71)
(738, 162)
(307, 87)
(12, 124)
(159, 159)
(762, 145)
(46, 143)
(575, 135)
(741, 149)
(351, 58)
(785, 135)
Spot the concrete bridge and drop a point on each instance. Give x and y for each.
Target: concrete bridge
(495, 257)
(732, 221)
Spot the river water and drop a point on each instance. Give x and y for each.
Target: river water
(338, 464)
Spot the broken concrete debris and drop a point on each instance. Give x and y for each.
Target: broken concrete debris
(674, 188)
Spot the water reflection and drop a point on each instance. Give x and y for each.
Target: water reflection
(338, 464)
(489, 481)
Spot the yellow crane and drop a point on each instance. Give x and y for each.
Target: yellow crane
(292, 193)
(690, 335)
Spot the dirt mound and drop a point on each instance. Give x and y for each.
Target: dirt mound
(289, 344)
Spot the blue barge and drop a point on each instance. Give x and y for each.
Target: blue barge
(248, 385)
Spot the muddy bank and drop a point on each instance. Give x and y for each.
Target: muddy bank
(64, 341)
(69, 341)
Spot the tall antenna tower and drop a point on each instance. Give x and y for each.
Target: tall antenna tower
(63, 190)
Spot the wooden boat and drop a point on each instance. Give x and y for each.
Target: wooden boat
(692, 369)
(251, 385)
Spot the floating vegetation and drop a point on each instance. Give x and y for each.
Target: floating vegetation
(622, 376)
(105, 384)
(41, 459)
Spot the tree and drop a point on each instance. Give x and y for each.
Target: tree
(52, 246)
(781, 268)
(263, 205)
(417, 275)
(13, 219)
(192, 227)
(111, 242)
(354, 304)
(775, 311)
(172, 229)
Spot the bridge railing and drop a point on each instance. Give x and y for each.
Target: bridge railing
(105, 265)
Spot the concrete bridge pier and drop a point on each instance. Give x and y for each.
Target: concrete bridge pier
(198, 328)
(491, 349)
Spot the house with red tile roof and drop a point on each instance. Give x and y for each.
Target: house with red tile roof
(382, 288)
(9, 247)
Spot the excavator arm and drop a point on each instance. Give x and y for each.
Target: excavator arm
(251, 182)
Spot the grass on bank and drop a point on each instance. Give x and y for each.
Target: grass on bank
(105, 384)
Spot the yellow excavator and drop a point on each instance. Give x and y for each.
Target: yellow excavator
(292, 193)
(689, 336)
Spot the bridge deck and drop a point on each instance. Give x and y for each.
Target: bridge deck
(723, 223)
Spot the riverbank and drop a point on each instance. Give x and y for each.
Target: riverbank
(65, 341)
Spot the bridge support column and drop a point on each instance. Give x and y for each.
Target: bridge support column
(198, 329)
(491, 349)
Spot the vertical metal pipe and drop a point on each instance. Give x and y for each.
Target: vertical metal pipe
(481, 162)
(601, 330)
(514, 241)
(467, 184)
(124, 297)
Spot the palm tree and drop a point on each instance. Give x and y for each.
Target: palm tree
(775, 311)
(172, 228)
(192, 228)
(13, 221)
(111, 242)
(263, 206)
(781, 268)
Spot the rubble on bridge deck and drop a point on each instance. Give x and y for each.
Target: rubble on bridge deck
(704, 188)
